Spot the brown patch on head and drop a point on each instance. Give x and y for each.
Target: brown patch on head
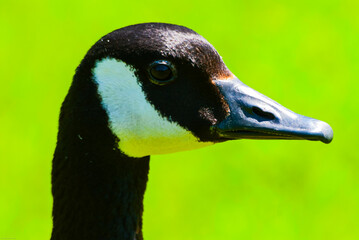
(224, 103)
(207, 114)
(225, 76)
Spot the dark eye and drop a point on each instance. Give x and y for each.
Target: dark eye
(161, 72)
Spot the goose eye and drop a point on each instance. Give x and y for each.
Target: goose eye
(161, 72)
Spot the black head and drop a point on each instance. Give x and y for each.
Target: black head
(183, 78)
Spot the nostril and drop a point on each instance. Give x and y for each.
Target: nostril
(263, 114)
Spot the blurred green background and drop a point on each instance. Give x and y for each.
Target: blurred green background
(304, 54)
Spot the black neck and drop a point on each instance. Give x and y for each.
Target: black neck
(97, 190)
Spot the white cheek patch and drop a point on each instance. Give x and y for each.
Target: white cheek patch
(141, 129)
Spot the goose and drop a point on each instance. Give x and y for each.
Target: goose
(141, 90)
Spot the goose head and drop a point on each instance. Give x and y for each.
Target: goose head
(166, 89)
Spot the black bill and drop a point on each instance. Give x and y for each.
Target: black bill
(255, 116)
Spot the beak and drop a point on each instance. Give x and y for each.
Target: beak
(255, 116)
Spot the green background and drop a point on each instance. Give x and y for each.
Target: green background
(304, 54)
